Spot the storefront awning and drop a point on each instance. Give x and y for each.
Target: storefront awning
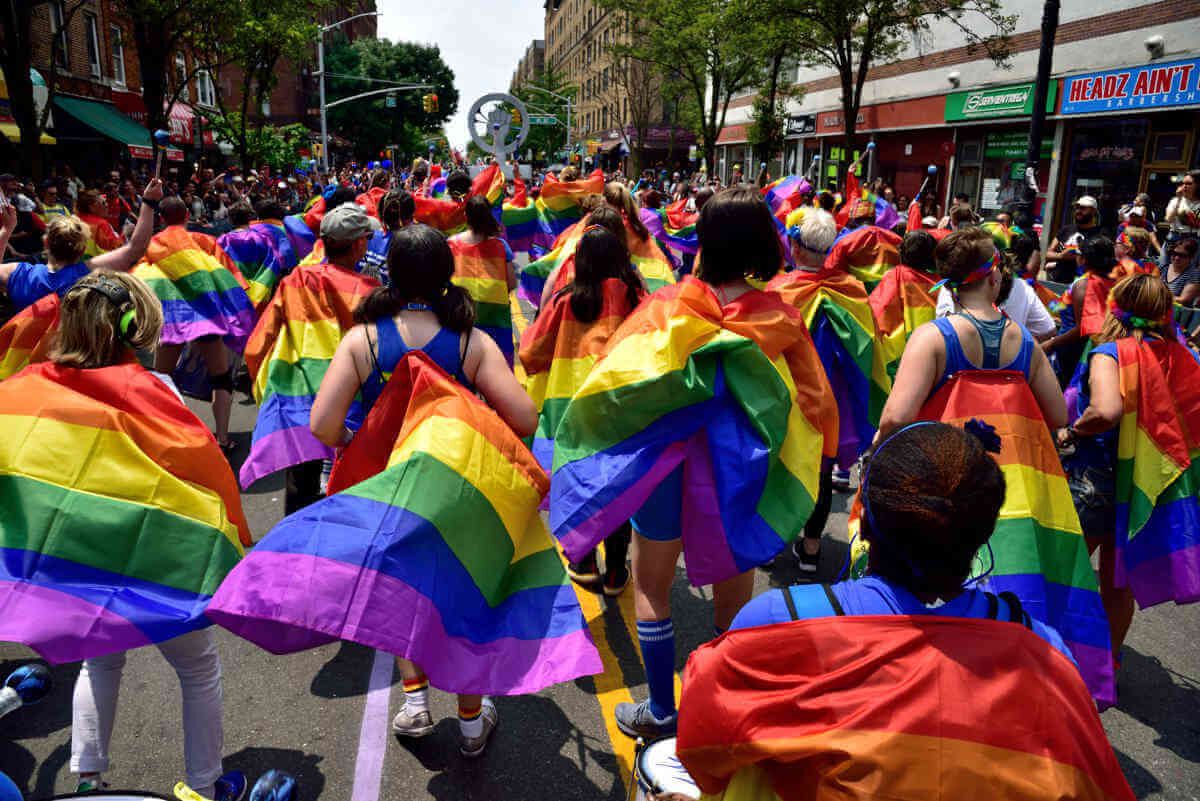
(106, 120)
(13, 134)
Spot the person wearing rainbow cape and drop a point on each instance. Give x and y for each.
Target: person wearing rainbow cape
(706, 420)
(977, 363)
(900, 684)
(1135, 436)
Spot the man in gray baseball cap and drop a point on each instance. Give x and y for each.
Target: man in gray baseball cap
(344, 232)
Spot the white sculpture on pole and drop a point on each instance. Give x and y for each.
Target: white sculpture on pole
(491, 121)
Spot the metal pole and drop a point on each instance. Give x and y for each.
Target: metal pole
(568, 131)
(1033, 153)
(324, 125)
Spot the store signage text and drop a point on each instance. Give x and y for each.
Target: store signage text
(806, 124)
(1002, 101)
(1174, 84)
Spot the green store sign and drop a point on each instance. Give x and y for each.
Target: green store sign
(1001, 101)
(1013, 145)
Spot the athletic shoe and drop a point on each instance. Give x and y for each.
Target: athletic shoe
(636, 720)
(407, 724)
(585, 572)
(472, 747)
(616, 579)
(230, 786)
(91, 785)
(840, 480)
(804, 560)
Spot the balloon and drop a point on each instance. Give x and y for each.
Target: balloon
(161, 136)
(387, 164)
(932, 169)
(870, 145)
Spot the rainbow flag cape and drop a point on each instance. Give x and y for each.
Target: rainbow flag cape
(785, 195)
(834, 307)
(122, 515)
(523, 226)
(482, 269)
(1158, 473)
(558, 351)
(558, 207)
(886, 215)
(25, 339)
(734, 395)
(1038, 547)
(287, 357)
(449, 216)
(532, 279)
(430, 547)
(1001, 235)
(900, 303)
(301, 237)
(867, 253)
(673, 227)
(201, 290)
(257, 257)
(1095, 303)
(904, 708)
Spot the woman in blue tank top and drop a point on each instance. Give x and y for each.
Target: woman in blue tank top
(421, 310)
(978, 337)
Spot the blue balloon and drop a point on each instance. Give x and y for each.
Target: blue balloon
(387, 164)
(932, 169)
(8, 790)
(161, 136)
(32, 682)
(870, 145)
(274, 785)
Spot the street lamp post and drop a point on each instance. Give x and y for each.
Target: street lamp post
(566, 100)
(1040, 89)
(321, 71)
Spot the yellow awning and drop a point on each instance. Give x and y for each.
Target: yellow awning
(13, 134)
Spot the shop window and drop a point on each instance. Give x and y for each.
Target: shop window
(1106, 163)
(117, 45)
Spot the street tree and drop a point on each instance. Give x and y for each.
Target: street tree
(547, 140)
(638, 85)
(400, 119)
(853, 35)
(707, 44)
(775, 44)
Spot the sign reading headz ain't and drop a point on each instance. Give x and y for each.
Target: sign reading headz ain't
(1175, 83)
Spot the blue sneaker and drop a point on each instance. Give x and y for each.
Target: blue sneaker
(230, 787)
(636, 720)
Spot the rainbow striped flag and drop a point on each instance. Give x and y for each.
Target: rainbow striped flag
(901, 302)
(532, 279)
(558, 351)
(558, 207)
(450, 216)
(1001, 235)
(201, 290)
(430, 547)
(1038, 548)
(257, 257)
(287, 356)
(785, 195)
(905, 708)
(735, 395)
(122, 515)
(482, 269)
(1158, 473)
(523, 226)
(300, 235)
(834, 307)
(867, 253)
(673, 227)
(25, 339)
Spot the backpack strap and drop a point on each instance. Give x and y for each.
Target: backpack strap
(1017, 613)
(791, 603)
(993, 606)
(833, 600)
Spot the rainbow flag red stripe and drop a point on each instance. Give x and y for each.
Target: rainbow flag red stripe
(433, 521)
(122, 515)
(1095, 303)
(834, 307)
(867, 253)
(201, 290)
(287, 356)
(901, 302)
(734, 394)
(25, 339)
(905, 708)
(558, 352)
(1038, 547)
(450, 216)
(1158, 473)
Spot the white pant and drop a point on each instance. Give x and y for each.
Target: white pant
(194, 657)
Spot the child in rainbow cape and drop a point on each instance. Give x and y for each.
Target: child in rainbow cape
(204, 302)
(291, 349)
(706, 421)
(483, 265)
(834, 307)
(559, 350)
(976, 363)
(121, 519)
(899, 685)
(902, 302)
(1136, 430)
(430, 546)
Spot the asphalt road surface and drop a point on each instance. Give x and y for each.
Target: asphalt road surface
(324, 715)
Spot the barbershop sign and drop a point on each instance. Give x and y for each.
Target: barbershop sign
(1175, 83)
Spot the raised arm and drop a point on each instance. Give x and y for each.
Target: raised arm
(128, 255)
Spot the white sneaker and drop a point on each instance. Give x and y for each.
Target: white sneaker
(407, 724)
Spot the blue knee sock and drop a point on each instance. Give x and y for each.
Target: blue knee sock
(657, 638)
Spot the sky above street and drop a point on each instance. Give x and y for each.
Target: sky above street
(480, 40)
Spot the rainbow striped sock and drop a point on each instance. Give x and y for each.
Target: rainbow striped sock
(416, 695)
(470, 720)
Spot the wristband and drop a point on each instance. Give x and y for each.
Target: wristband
(151, 203)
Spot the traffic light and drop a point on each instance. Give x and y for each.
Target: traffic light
(516, 116)
(429, 103)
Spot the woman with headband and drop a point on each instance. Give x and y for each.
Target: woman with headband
(901, 684)
(1139, 402)
(977, 363)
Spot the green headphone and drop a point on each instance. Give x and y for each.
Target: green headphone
(119, 297)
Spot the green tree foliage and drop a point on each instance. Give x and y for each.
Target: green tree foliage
(708, 47)
(546, 140)
(369, 123)
(853, 35)
(277, 146)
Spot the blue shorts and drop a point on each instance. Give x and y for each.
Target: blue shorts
(661, 517)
